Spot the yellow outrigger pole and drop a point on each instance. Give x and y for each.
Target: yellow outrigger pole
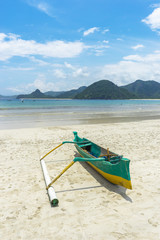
(49, 188)
(51, 191)
(51, 151)
(56, 148)
(64, 170)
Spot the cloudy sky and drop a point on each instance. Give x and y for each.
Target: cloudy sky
(64, 44)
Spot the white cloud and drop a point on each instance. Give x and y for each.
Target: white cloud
(133, 58)
(2, 36)
(69, 71)
(80, 30)
(42, 6)
(62, 79)
(149, 58)
(57, 65)
(137, 46)
(10, 36)
(77, 71)
(59, 73)
(100, 48)
(153, 20)
(90, 30)
(38, 61)
(12, 45)
(133, 67)
(101, 45)
(155, 5)
(80, 72)
(105, 41)
(39, 83)
(119, 39)
(20, 69)
(99, 52)
(104, 31)
(16, 90)
(68, 65)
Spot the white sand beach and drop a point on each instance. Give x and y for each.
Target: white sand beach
(90, 208)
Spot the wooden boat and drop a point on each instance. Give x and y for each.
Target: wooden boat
(111, 166)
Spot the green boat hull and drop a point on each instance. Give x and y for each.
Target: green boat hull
(115, 168)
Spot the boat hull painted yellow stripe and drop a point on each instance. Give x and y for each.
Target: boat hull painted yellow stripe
(114, 179)
(111, 178)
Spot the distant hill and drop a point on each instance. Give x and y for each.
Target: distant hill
(144, 89)
(72, 93)
(53, 94)
(36, 94)
(104, 89)
(65, 94)
(8, 97)
(62, 94)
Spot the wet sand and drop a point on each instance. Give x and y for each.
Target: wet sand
(37, 119)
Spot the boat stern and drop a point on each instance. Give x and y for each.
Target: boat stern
(125, 173)
(126, 183)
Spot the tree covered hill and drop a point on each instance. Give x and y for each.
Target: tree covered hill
(53, 93)
(50, 94)
(72, 93)
(36, 94)
(144, 89)
(104, 89)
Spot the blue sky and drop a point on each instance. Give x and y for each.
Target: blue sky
(64, 44)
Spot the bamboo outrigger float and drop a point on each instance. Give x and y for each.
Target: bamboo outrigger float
(111, 166)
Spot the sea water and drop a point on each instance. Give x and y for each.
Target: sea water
(15, 113)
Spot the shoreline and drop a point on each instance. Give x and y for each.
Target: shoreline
(43, 114)
(11, 98)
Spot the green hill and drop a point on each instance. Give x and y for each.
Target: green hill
(8, 97)
(1, 97)
(36, 94)
(104, 89)
(144, 89)
(72, 93)
(53, 94)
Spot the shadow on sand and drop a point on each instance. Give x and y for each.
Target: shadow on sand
(102, 181)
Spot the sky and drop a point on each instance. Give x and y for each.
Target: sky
(58, 45)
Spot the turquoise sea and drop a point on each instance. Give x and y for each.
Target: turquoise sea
(16, 113)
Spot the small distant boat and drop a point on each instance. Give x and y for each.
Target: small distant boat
(112, 166)
(22, 100)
